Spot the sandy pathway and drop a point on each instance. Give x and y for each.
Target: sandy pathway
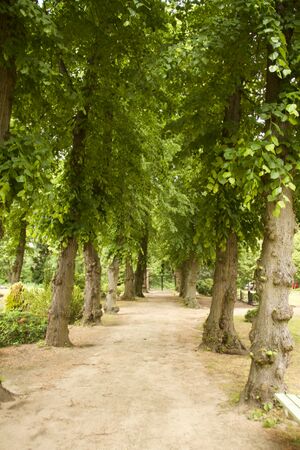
(140, 386)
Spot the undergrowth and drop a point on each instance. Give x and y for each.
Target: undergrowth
(17, 327)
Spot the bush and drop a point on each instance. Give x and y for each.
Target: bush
(15, 298)
(76, 307)
(204, 286)
(37, 301)
(21, 328)
(251, 314)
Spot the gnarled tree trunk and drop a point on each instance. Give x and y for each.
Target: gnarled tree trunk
(92, 311)
(111, 298)
(270, 337)
(15, 273)
(62, 286)
(141, 267)
(190, 282)
(129, 281)
(219, 333)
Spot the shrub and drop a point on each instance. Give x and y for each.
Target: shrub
(204, 286)
(18, 327)
(251, 314)
(15, 298)
(76, 307)
(38, 300)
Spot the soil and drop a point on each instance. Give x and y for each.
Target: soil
(136, 382)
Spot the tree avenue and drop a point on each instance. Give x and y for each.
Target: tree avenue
(166, 130)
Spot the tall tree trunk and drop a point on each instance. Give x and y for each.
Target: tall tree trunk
(178, 280)
(270, 337)
(129, 281)
(15, 273)
(57, 331)
(141, 267)
(7, 86)
(111, 298)
(231, 343)
(191, 277)
(8, 27)
(183, 283)
(92, 311)
(219, 333)
(62, 287)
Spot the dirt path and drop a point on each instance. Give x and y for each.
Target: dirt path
(135, 383)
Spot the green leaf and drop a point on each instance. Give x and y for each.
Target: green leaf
(274, 140)
(273, 68)
(291, 186)
(274, 175)
(292, 109)
(270, 147)
(276, 211)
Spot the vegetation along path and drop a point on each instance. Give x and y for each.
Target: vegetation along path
(134, 383)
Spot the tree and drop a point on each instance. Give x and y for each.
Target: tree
(16, 37)
(270, 338)
(96, 132)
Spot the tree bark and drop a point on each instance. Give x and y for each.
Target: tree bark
(178, 280)
(15, 273)
(141, 267)
(129, 281)
(219, 333)
(92, 311)
(270, 337)
(62, 286)
(7, 72)
(111, 298)
(183, 280)
(190, 282)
